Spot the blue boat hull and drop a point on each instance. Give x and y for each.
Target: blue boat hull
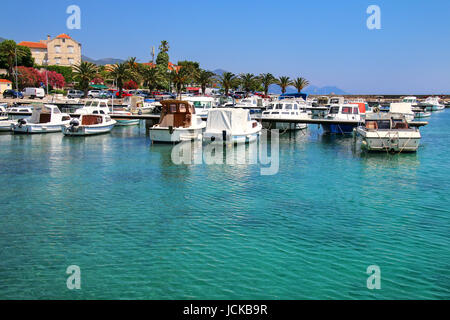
(338, 128)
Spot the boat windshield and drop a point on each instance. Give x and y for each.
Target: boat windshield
(384, 124)
(202, 104)
(334, 110)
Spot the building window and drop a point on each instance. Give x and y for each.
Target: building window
(57, 60)
(58, 49)
(70, 49)
(71, 61)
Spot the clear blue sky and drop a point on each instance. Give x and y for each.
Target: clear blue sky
(325, 41)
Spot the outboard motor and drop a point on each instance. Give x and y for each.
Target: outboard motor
(74, 124)
(21, 122)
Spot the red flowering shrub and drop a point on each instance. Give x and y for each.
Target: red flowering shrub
(30, 77)
(129, 85)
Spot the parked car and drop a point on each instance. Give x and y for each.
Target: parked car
(93, 94)
(106, 94)
(124, 94)
(73, 94)
(12, 94)
(34, 93)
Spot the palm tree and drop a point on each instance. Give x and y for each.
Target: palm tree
(84, 73)
(226, 81)
(204, 79)
(248, 82)
(121, 72)
(300, 84)
(284, 82)
(266, 80)
(150, 76)
(179, 79)
(164, 46)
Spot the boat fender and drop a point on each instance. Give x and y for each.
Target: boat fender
(224, 135)
(170, 129)
(213, 138)
(75, 122)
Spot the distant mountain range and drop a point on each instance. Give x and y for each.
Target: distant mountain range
(102, 62)
(2, 39)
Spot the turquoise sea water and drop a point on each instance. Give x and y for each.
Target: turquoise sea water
(141, 227)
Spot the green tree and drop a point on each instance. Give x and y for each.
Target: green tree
(191, 68)
(67, 72)
(84, 73)
(150, 77)
(179, 79)
(162, 65)
(8, 51)
(266, 80)
(121, 73)
(284, 82)
(249, 82)
(205, 78)
(227, 80)
(300, 84)
(164, 46)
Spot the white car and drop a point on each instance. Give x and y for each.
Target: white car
(94, 94)
(34, 93)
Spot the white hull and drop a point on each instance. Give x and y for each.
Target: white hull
(6, 126)
(86, 130)
(39, 128)
(390, 140)
(126, 122)
(177, 135)
(238, 138)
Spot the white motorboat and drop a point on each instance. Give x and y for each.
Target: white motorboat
(100, 106)
(388, 132)
(202, 104)
(44, 119)
(7, 117)
(253, 102)
(354, 112)
(178, 122)
(420, 113)
(231, 125)
(285, 110)
(432, 104)
(412, 100)
(88, 124)
(94, 106)
(402, 109)
(138, 105)
(3, 112)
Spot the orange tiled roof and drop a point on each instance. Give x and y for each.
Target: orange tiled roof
(63, 36)
(29, 44)
(5, 81)
(171, 66)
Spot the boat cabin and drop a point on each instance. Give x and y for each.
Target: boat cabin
(176, 113)
(284, 107)
(90, 119)
(386, 122)
(47, 113)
